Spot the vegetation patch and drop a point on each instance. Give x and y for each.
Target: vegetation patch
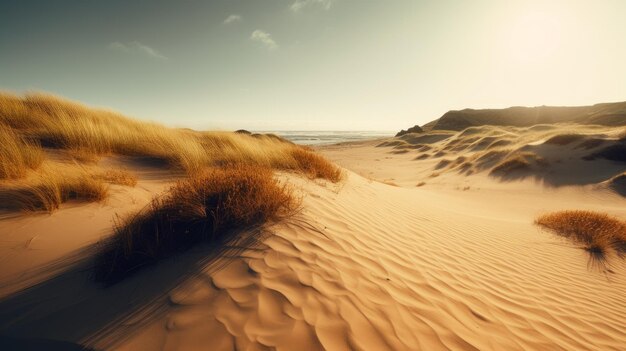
(88, 133)
(17, 155)
(596, 232)
(117, 176)
(31, 123)
(213, 207)
(48, 190)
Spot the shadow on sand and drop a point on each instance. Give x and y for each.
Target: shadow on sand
(69, 311)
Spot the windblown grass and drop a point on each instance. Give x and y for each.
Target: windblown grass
(597, 232)
(89, 133)
(29, 123)
(210, 207)
(17, 155)
(117, 176)
(47, 190)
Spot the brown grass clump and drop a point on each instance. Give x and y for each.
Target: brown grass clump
(118, 176)
(597, 232)
(47, 191)
(17, 155)
(209, 208)
(315, 166)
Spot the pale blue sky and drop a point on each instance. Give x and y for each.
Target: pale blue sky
(313, 64)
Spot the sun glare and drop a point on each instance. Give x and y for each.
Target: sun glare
(536, 36)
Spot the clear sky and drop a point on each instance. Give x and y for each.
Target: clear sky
(313, 64)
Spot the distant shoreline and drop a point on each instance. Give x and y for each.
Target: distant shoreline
(329, 137)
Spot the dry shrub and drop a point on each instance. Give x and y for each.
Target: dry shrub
(597, 232)
(211, 207)
(117, 176)
(48, 190)
(17, 155)
(315, 166)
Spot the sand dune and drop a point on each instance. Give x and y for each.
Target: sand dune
(454, 264)
(379, 267)
(443, 274)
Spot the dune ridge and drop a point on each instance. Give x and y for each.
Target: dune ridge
(609, 114)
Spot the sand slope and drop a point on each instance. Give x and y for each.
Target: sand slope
(379, 268)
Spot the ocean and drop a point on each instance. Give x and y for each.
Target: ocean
(328, 137)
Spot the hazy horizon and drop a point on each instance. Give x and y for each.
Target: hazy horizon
(317, 65)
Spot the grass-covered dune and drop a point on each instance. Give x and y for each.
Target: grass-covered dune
(36, 125)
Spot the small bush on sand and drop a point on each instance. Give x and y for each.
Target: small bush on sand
(17, 156)
(315, 166)
(47, 191)
(211, 207)
(597, 232)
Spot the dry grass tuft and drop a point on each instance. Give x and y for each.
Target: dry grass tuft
(597, 232)
(17, 155)
(48, 190)
(315, 166)
(211, 207)
(117, 176)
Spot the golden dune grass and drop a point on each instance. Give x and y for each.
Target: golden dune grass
(596, 231)
(51, 187)
(36, 121)
(117, 176)
(16, 154)
(87, 132)
(209, 207)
